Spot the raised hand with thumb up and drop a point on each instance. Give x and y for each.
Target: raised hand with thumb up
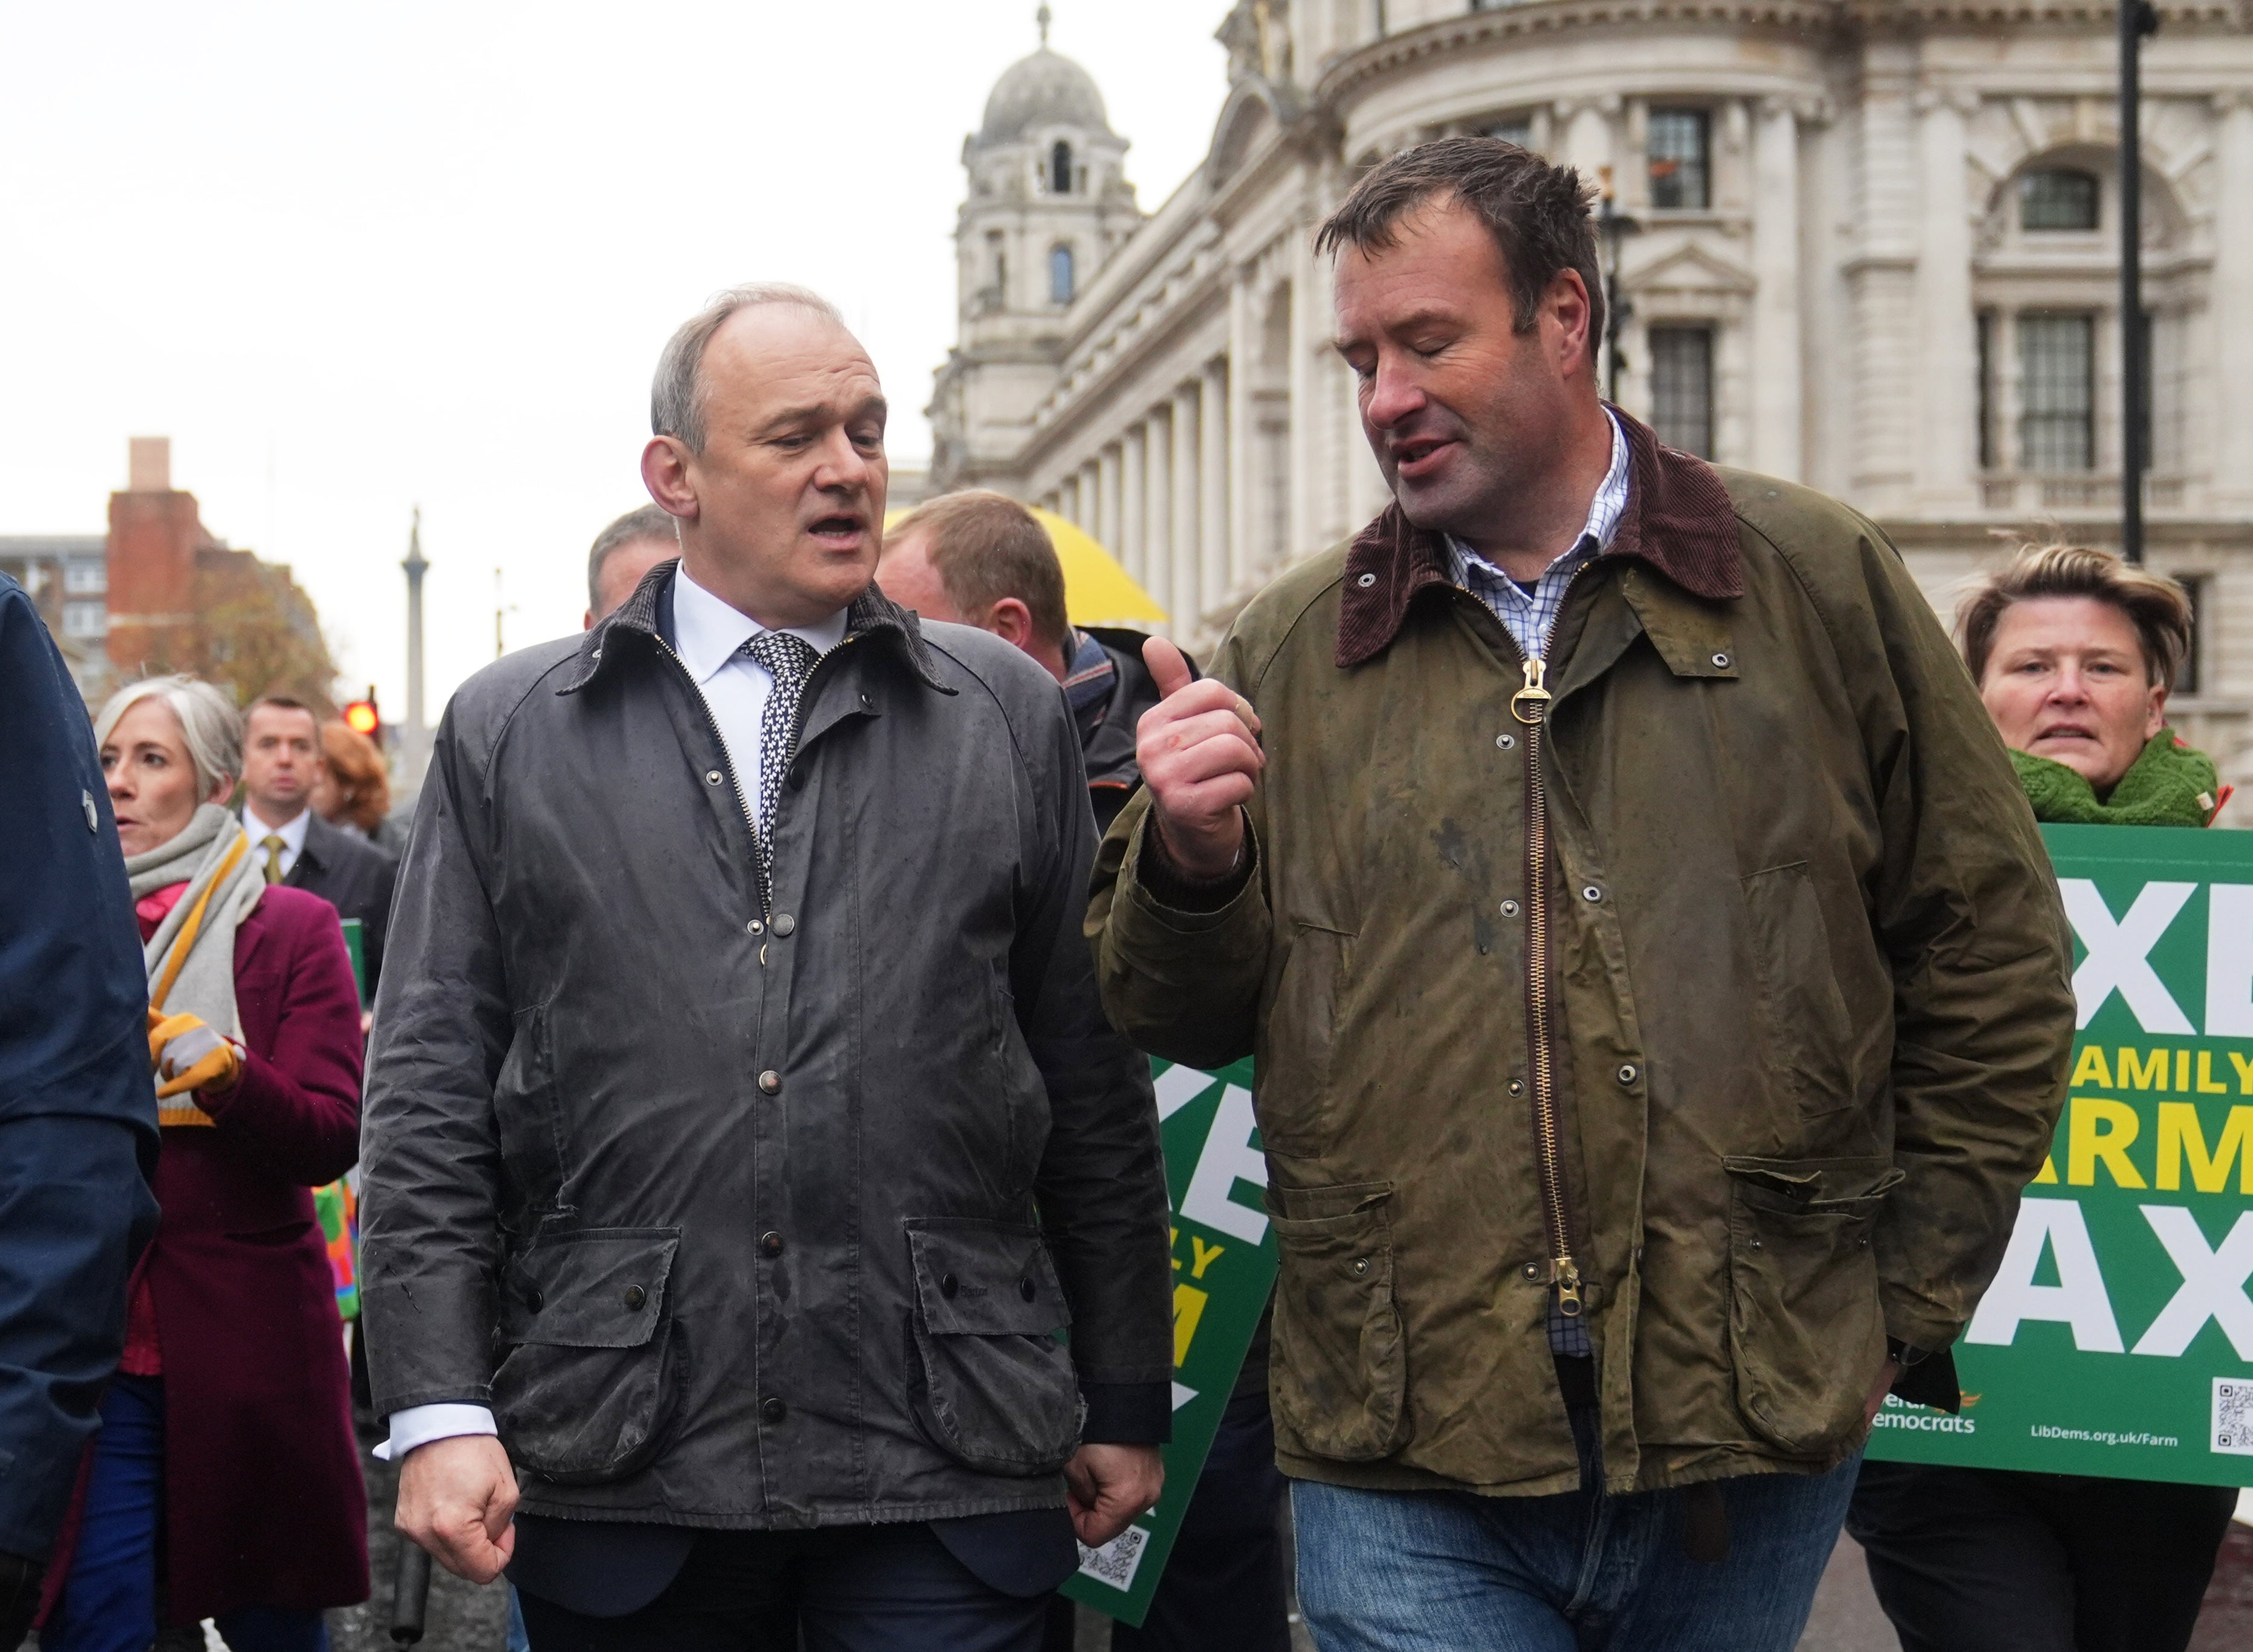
(1198, 749)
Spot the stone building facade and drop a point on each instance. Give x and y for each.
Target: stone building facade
(1873, 248)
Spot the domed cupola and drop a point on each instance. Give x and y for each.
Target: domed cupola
(1044, 90)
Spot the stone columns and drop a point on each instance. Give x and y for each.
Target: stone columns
(1183, 601)
(1158, 506)
(1244, 343)
(1106, 498)
(1133, 497)
(1776, 341)
(1215, 518)
(2230, 306)
(1948, 445)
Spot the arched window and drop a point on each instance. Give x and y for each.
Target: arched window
(1060, 169)
(1060, 282)
(2057, 197)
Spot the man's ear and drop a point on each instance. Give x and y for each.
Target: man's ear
(1011, 621)
(1568, 301)
(664, 473)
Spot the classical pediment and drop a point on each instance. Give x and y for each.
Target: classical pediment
(1692, 269)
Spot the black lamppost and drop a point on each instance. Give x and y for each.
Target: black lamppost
(2138, 19)
(1615, 227)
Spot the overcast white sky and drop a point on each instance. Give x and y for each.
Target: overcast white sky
(355, 257)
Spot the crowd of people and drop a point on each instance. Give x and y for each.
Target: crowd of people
(1631, 900)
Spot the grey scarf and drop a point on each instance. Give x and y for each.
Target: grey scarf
(191, 958)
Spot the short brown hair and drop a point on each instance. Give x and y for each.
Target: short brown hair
(984, 546)
(357, 771)
(1538, 215)
(281, 703)
(2154, 604)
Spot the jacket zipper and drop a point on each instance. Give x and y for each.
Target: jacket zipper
(797, 726)
(1530, 704)
(727, 758)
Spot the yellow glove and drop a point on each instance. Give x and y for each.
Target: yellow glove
(189, 1055)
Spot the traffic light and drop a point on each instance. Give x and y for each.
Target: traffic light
(362, 718)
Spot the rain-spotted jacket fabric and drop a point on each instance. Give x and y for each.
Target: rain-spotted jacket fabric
(753, 1216)
(1811, 967)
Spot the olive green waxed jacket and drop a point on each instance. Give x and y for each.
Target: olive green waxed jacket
(1800, 1038)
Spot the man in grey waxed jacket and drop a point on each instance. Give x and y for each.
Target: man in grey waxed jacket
(736, 1023)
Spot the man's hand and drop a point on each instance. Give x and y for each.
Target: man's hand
(1199, 752)
(1879, 1390)
(1109, 1485)
(456, 1499)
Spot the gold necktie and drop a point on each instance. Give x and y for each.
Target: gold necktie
(273, 845)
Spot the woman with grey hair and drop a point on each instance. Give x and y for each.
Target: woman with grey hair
(224, 1483)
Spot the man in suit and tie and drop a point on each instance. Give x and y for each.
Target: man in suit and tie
(282, 755)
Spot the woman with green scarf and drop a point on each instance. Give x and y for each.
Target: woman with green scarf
(2074, 653)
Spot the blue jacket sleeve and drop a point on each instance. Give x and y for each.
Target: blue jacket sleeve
(78, 1111)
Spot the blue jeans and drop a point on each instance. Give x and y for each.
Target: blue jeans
(1451, 1571)
(109, 1600)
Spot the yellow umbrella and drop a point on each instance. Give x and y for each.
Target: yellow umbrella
(1097, 591)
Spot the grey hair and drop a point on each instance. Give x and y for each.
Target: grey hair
(649, 522)
(676, 397)
(209, 723)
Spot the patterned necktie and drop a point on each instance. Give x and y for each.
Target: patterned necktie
(273, 845)
(787, 659)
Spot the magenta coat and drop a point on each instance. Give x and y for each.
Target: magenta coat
(264, 1503)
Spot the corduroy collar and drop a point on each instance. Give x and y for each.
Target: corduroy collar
(1678, 519)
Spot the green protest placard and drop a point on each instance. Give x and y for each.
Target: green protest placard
(2118, 1337)
(1224, 1268)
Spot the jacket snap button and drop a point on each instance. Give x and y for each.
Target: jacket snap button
(771, 1244)
(1721, 662)
(1627, 1073)
(773, 1411)
(1360, 1266)
(867, 704)
(1592, 893)
(1516, 1086)
(1025, 1289)
(1532, 1270)
(1366, 580)
(948, 1284)
(635, 1297)
(755, 927)
(785, 923)
(1505, 741)
(1510, 908)
(711, 777)
(532, 1299)
(770, 1082)
(1756, 1243)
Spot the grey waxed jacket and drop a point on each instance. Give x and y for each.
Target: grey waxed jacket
(728, 1212)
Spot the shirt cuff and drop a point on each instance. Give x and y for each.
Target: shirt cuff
(420, 1425)
(1127, 1414)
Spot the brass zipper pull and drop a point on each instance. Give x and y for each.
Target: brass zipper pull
(1568, 1288)
(1531, 704)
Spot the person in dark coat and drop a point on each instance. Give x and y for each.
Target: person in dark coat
(293, 844)
(980, 558)
(743, 1124)
(77, 1120)
(225, 1481)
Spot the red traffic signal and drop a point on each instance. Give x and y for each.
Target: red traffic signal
(362, 718)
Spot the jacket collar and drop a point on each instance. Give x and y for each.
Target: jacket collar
(647, 614)
(1678, 519)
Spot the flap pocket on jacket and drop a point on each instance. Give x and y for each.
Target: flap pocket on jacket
(587, 1387)
(1806, 1334)
(989, 1382)
(1341, 1379)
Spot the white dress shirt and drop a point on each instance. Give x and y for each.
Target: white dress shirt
(708, 635)
(292, 835)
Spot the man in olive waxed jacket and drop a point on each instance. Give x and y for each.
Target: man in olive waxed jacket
(1658, 991)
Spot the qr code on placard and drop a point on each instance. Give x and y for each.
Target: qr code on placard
(2233, 1416)
(1115, 1563)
